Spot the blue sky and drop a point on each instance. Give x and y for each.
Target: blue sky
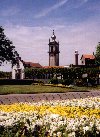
(29, 24)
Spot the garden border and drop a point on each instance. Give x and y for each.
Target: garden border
(17, 98)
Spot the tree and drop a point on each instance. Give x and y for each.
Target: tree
(97, 55)
(7, 50)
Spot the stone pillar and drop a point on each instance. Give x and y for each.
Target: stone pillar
(76, 58)
(13, 73)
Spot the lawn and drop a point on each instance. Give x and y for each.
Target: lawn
(28, 89)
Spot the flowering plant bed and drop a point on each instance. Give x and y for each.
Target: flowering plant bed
(66, 118)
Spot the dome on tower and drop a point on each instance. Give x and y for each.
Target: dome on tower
(53, 36)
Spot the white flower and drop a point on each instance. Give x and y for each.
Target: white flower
(59, 134)
(72, 134)
(85, 129)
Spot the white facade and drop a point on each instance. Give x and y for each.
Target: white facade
(18, 71)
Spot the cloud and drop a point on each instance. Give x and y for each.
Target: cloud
(9, 11)
(56, 6)
(50, 9)
(32, 42)
(80, 3)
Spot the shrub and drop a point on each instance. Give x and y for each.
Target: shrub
(54, 81)
(79, 82)
(6, 75)
(16, 82)
(38, 81)
(60, 81)
(67, 81)
(92, 81)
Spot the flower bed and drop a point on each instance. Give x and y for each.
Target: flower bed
(66, 118)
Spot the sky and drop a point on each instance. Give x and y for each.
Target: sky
(29, 25)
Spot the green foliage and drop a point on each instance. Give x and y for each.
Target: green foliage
(67, 81)
(19, 129)
(5, 74)
(7, 50)
(68, 75)
(79, 82)
(53, 81)
(92, 81)
(97, 54)
(38, 81)
(16, 82)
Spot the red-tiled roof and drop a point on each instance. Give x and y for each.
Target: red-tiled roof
(53, 66)
(88, 56)
(31, 64)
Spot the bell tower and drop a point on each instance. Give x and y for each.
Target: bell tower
(53, 51)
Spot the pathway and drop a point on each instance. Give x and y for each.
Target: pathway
(15, 98)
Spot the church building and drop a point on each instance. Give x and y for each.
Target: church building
(53, 51)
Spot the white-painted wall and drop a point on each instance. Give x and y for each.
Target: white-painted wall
(15, 68)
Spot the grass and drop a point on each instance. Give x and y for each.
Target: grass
(32, 89)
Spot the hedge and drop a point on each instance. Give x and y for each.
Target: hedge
(16, 81)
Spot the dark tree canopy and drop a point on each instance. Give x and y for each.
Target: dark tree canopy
(7, 50)
(97, 54)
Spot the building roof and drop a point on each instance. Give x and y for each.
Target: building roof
(31, 64)
(53, 66)
(88, 56)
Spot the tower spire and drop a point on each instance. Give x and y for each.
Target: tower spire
(53, 32)
(53, 36)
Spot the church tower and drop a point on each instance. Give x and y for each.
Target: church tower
(53, 51)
